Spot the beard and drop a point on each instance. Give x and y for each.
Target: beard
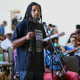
(36, 19)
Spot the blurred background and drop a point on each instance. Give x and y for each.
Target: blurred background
(64, 14)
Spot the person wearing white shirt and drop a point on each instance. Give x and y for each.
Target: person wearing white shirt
(6, 44)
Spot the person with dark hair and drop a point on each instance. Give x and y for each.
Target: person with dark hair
(73, 48)
(27, 39)
(78, 26)
(72, 35)
(77, 33)
(2, 37)
(5, 44)
(58, 72)
(52, 29)
(4, 23)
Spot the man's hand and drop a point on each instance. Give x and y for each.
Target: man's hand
(29, 35)
(21, 41)
(61, 74)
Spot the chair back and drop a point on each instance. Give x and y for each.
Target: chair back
(72, 63)
(1, 54)
(10, 54)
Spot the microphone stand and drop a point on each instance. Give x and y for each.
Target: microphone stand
(52, 47)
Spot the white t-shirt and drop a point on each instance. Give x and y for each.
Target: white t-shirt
(6, 44)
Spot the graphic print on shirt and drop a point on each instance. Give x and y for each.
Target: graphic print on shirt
(39, 37)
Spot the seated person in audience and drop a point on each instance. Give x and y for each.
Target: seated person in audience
(73, 35)
(5, 44)
(2, 37)
(56, 44)
(73, 47)
(78, 33)
(57, 69)
(52, 29)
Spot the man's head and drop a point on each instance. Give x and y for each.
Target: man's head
(2, 37)
(75, 35)
(55, 40)
(73, 41)
(51, 26)
(78, 28)
(33, 12)
(4, 23)
(9, 36)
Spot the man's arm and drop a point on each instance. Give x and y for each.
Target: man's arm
(73, 50)
(61, 73)
(21, 41)
(47, 70)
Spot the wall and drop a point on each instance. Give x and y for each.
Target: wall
(63, 13)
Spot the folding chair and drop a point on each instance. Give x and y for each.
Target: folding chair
(1, 56)
(10, 55)
(72, 63)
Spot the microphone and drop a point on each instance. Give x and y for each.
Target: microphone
(44, 24)
(53, 36)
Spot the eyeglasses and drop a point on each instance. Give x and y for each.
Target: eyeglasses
(72, 40)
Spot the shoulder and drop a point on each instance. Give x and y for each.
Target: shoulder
(21, 24)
